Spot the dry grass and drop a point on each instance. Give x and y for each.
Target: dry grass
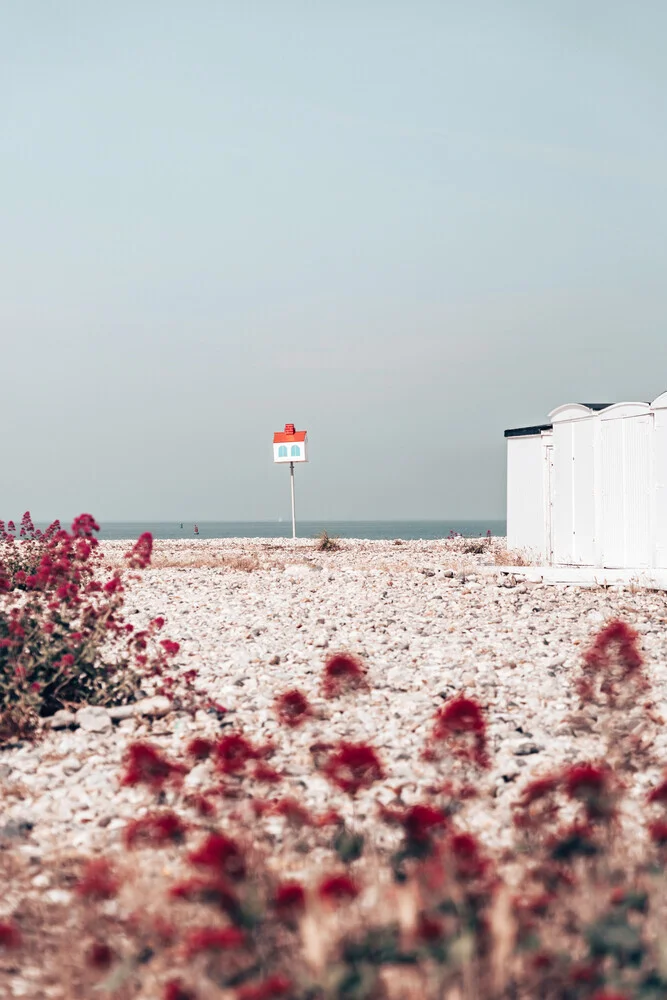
(327, 543)
(512, 557)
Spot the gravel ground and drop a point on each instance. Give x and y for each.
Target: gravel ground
(256, 617)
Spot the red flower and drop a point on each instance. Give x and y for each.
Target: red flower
(293, 811)
(289, 899)
(170, 648)
(420, 821)
(201, 804)
(612, 661)
(263, 772)
(329, 818)
(585, 780)
(343, 672)
(337, 888)
(233, 752)
(659, 793)
(591, 784)
(658, 832)
(98, 880)
(139, 556)
(292, 708)
(353, 766)
(222, 855)
(10, 936)
(144, 764)
(538, 789)
(210, 891)
(213, 939)
(275, 986)
(155, 829)
(84, 525)
(468, 861)
(429, 929)
(199, 748)
(174, 990)
(461, 725)
(99, 956)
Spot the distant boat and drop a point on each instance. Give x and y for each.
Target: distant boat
(196, 529)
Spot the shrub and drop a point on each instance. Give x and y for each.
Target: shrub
(63, 637)
(327, 543)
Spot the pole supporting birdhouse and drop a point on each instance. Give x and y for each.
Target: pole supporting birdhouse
(290, 446)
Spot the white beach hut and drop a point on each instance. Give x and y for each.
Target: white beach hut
(602, 497)
(529, 472)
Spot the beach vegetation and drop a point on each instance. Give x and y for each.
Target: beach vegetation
(64, 637)
(326, 542)
(231, 888)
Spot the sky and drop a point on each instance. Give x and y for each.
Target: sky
(401, 226)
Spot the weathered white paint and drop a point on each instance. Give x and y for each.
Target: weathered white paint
(659, 498)
(601, 495)
(526, 494)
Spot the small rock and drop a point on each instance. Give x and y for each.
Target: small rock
(71, 764)
(62, 719)
(119, 712)
(94, 719)
(58, 896)
(274, 661)
(15, 829)
(524, 749)
(155, 708)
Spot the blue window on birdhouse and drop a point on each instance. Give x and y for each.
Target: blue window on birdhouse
(282, 451)
(296, 451)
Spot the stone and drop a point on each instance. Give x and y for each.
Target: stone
(62, 719)
(94, 719)
(119, 712)
(155, 707)
(525, 749)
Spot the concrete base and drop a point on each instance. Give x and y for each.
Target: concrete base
(586, 576)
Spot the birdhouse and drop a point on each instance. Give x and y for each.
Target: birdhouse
(290, 445)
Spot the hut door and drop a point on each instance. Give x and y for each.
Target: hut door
(548, 503)
(626, 491)
(637, 487)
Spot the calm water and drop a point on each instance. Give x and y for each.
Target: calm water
(305, 529)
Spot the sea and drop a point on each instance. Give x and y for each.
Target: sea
(304, 529)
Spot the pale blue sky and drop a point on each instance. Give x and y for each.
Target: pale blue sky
(403, 226)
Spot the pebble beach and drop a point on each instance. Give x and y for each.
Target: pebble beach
(257, 617)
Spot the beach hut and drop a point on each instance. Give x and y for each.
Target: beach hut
(602, 497)
(290, 445)
(529, 473)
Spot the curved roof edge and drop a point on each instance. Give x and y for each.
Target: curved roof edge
(660, 402)
(628, 405)
(583, 409)
(515, 432)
